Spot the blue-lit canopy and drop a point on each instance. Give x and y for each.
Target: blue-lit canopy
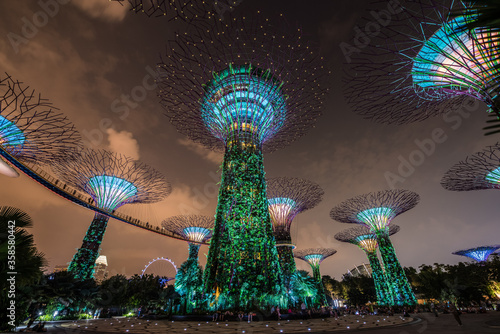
(493, 176)
(243, 101)
(479, 254)
(455, 61)
(367, 242)
(195, 233)
(10, 134)
(314, 259)
(110, 192)
(376, 218)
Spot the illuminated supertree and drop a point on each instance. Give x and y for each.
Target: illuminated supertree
(365, 239)
(186, 10)
(111, 180)
(478, 171)
(376, 211)
(314, 256)
(480, 254)
(423, 62)
(245, 87)
(195, 229)
(287, 197)
(30, 128)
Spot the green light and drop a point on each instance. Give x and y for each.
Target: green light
(493, 176)
(376, 218)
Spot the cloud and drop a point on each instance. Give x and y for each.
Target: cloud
(104, 10)
(123, 142)
(205, 153)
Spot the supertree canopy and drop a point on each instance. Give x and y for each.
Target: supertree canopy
(186, 10)
(243, 86)
(365, 239)
(287, 197)
(376, 211)
(111, 180)
(30, 128)
(423, 62)
(314, 256)
(480, 254)
(195, 229)
(478, 171)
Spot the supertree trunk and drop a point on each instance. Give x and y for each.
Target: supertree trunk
(242, 260)
(287, 264)
(82, 264)
(384, 295)
(193, 250)
(396, 277)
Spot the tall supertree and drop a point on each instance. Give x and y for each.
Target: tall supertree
(195, 229)
(287, 197)
(478, 171)
(376, 211)
(314, 256)
(480, 254)
(243, 86)
(365, 239)
(422, 62)
(31, 130)
(111, 180)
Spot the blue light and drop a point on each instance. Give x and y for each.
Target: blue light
(110, 192)
(376, 218)
(479, 254)
(195, 233)
(314, 259)
(10, 134)
(493, 176)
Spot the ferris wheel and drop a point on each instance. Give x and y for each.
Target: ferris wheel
(163, 267)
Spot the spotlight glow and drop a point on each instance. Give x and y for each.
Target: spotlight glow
(376, 218)
(494, 176)
(110, 192)
(194, 233)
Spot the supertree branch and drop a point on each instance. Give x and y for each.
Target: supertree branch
(422, 63)
(195, 229)
(365, 239)
(112, 180)
(185, 10)
(376, 209)
(478, 171)
(480, 254)
(30, 127)
(266, 69)
(287, 197)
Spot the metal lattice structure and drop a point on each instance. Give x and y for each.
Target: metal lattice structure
(195, 229)
(112, 180)
(480, 254)
(376, 211)
(243, 86)
(186, 10)
(423, 62)
(365, 239)
(478, 171)
(31, 130)
(287, 197)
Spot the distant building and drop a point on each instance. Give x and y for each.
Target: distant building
(101, 268)
(361, 270)
(60, 267)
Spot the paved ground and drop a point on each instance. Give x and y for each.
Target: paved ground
(423, 323)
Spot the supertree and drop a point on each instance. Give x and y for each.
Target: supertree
(480, 254)
(365, 239)
(195, 229)
(242, 86)
(376, 211)
(314, 256)
(478, 171)
(186, 10)
(423, 62)
(287, 197)
(111, 180)
(31, 130)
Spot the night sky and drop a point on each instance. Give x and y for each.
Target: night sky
(91, 53)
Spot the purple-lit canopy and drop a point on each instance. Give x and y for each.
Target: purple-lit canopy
(480, 254)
